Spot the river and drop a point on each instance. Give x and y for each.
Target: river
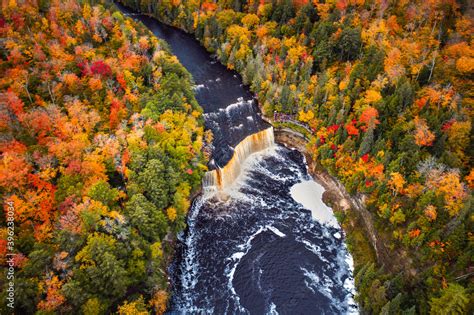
(263, 242)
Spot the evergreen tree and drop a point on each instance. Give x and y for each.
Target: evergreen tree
(453, 300)
(367, 141)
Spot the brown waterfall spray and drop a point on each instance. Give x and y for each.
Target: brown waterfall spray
(225, 176)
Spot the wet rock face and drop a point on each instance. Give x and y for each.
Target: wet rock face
(328, 198)
(291, 139)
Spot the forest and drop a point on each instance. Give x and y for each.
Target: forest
(100, 141)
(384, 91)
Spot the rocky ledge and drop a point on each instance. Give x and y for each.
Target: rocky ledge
(335, 195)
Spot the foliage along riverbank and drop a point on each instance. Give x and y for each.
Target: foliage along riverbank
(101, 140)
(350, 211)
(386, 88)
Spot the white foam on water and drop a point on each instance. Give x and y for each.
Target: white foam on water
(272, 310)
(190, 268)
(245, 247)
(198, 87)
(240, 103)
(316, 284)
(236, 257)
(345, 258)
(350, 261)
(313, 278)
(276, 231)
(310, 195)
(315, 249)
(213, 117)
(240, 126)
(350, 286)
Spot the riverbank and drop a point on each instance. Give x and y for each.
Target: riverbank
(357, 225)
(364, 244)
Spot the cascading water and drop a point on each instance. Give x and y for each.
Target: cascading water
(268, 245)
(220, 178)
(259, 250)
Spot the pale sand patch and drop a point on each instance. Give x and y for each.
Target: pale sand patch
(310, 195)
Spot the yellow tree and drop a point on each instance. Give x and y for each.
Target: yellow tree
(452, 189)
(250, 20)
(397, 183)
(459, 138)
(159, 302)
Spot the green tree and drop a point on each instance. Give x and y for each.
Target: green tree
(101, 271)
(348, 45)
(146, 218)
(156, 183)
(93, 306)
(453, 300)
(367, 141)
(101, 191)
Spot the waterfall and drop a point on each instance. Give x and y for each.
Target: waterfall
(221, 178)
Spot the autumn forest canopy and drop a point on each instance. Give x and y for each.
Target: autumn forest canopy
(101, 140)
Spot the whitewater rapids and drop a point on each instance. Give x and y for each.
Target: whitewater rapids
(260, 246)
